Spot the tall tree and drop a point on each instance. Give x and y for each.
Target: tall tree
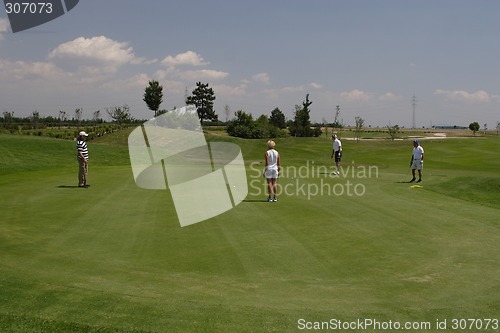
(97, 115)
(35, 118)
(153, 96)
(393, 131)
(62, 117)
(336, 120)
(203, 98)
(301, 126)
(120, 114)
(8, 118)
(78, 116)
(277, 118)
(474, 127)
(359, 127)
(227, 111)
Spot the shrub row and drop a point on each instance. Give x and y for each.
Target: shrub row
(68, 134)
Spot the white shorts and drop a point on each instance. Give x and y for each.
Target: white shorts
(271, 174)
(417, 165)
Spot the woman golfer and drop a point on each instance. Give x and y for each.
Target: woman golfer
(272, 170)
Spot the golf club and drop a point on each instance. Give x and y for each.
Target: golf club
(406, 175)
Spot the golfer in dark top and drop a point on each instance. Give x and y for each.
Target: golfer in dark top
(337, 153)
(83, 159)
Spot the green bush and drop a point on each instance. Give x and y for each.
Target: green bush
(275, 132)
(240, 131)
(245, 127)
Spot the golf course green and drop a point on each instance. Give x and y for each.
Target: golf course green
(333, 253)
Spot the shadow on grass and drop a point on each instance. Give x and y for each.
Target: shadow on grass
(72, 186)
(255, 200)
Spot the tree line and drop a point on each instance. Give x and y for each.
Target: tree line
(243, 124)
(202, 97)
(119, 114)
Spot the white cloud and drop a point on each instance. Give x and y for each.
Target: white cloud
(99, 48)
(293, 89)
(4, 27)
(261, 77)
(187, 58)
(49, 74)
(287, 90)
(204, 74)
(230, 90)
(300, 88)
(315, 85)
(168, 73)
(464, 96)
(31, 70)
(137, 81)
(389, 97)
(355, 96)
(174, 87)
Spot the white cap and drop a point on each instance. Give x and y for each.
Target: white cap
(82, 133)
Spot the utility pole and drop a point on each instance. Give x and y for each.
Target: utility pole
(414, 104)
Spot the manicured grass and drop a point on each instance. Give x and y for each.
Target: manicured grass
(113, 258)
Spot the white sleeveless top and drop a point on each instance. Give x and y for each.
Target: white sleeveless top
(272, 159)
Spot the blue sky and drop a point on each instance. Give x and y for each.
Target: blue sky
(368, 57)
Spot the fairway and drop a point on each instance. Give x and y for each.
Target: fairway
(365, 245)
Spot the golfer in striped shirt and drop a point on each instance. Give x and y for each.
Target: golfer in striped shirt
(82, 154)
